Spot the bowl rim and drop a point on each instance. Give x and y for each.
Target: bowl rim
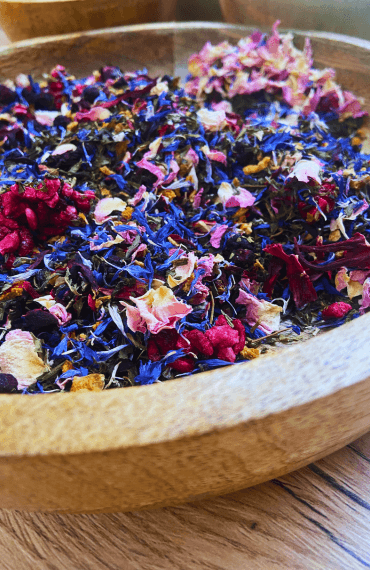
(195, 405)
(183, 26)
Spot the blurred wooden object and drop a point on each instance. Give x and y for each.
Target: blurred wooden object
(316, 518)
(339, 16)
(209, 433)
(22, 19)
(4, 40)
(206, 10)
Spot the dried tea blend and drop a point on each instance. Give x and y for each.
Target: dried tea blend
(150, 231)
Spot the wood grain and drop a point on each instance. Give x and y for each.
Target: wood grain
(314, 519)
(22, 19)
(203, 435)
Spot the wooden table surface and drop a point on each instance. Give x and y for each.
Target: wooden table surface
(315, 518)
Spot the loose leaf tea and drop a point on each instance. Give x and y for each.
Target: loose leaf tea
(150, 231)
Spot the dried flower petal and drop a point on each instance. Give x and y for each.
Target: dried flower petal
(63, 148)
(232, 197)
(299, 282)
(212, 120)
(156, 310)
(182, 272)
(306, 170)
(250, 353)
(217, 234)
(89, 383)
(61, 313)
(95, 114)
(19, 358)
(261, 312)
(105, 207)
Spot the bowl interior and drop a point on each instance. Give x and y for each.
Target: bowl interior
(216, 431)
(165, 48)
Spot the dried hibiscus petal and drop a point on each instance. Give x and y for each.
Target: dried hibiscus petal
(300, 284)
(356, 254)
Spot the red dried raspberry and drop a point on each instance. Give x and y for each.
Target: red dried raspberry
(183, 365)
(55, 87)
(226, 353)
(169, 339)
(7, 223)
(227, 341)
(241, 330)
(165, 341)
(199, 343)
(221, 341)
(27, 243)
(336, 310)
(82, 201)
(10, 243)
(31, 219)
(222, 335)
(42, 209)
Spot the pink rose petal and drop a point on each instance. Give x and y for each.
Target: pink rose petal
(366, 295)
(305, 170)
(192, 156)
(105, 207)
(207, 263)
(46, 118)
(158, 309)
(198, 198)
(63, 148)
(216, 155)
(235, 197)
(182, 272)
(259, 310)
(142, 247)
(138, 196)
(217, 234)
(212, 120)
(336, 311)
(60, 312)
(144, 163)
(134, 320)
(95, 114)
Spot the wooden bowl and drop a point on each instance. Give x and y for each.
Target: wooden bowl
(206, 434)
(22, 19)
